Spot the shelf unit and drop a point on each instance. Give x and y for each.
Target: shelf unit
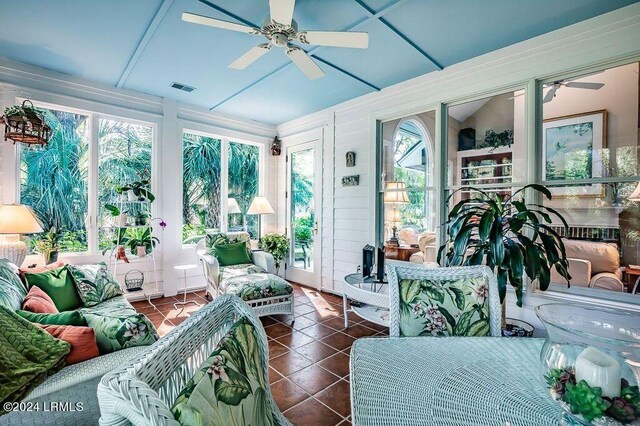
(487, 166)
(149, 287)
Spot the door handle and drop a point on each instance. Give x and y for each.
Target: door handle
(315, 228)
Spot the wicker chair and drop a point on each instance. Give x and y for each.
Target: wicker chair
(282, 304)
(396, 273)
(142, 391)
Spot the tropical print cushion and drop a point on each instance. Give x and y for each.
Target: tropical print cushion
(257, 286)
(94, 283)
(119, 332)
(230, 388)
(117, 306)
(229, 238)
(227, 272)
(444, 308)
(12, 291)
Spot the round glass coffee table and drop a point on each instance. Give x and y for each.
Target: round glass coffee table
(371, 299)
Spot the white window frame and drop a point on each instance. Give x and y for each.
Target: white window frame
(225, 137)
(94, 117)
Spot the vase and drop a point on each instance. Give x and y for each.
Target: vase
(50, 257)
(590, 363)
(131, 195)
(141, 251)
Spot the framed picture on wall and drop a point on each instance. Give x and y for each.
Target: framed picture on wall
(572, 149)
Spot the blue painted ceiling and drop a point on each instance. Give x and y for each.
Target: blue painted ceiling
(144, 45)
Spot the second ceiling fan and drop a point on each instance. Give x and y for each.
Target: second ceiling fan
(280, 30)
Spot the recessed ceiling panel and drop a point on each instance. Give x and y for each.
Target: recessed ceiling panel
(198, 56)
(288, 94)
(90, 39)
(453, 31)
(388, 60)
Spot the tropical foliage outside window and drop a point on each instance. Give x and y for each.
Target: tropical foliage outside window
(202, 184)
(54, 179)
(124, 155)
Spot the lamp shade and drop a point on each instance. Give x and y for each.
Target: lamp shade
(18, 219)
(635, 195)
(233, 206)
(396, 193)
(260, 205)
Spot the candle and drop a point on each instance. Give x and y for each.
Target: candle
(599, 370)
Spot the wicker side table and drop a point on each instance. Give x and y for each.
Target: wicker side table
(374, 297)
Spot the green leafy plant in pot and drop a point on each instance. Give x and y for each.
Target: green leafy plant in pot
(141, 190)
(141, 241)
(277, 245)
(49, 245)
(510, 236)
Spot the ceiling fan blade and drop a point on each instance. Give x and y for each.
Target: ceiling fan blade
(281, 11)
(304, 62)
(250, 57)
(585, 85)
(218, 23)
(549, 96)
(356, 40)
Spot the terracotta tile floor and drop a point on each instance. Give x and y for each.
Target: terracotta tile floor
(308, 363)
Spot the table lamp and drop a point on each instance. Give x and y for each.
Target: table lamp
(233, 206)
(396, 194)
(260, 206)
(16, 219)
(635, 195)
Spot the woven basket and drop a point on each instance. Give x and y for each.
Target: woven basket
(133, 280)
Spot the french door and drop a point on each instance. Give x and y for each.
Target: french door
(304, 177)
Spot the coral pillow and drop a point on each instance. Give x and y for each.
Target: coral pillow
(39, 302)
(82, 340)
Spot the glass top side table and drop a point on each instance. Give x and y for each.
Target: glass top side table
(372, 296)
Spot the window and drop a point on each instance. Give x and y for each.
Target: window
(201, 208)
(589, 162)
(124, 156)
(54, 179)
(406, 190)
(205, 185)
(244, 183)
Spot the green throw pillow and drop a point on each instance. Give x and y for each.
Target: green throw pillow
(119, 332)
(230, 387)
(58, 284)
(430, 307)
(219, 238)
(94, 283)
(12, 292)
(61, 318)
(232, 254)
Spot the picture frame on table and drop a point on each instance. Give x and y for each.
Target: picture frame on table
(572, 149)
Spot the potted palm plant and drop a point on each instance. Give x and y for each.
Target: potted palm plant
(509, 235)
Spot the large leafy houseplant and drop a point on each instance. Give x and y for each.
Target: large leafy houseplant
(49, 244)
(510, 236)
(277, 245)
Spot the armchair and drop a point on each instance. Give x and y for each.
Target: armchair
(255, 283)
(592, 264)
(428, 250)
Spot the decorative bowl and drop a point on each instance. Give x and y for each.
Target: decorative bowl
(591, 363)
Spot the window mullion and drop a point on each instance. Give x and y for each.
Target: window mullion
(224, 183)
(92, 213)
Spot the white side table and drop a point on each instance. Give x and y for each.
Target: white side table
(185, 268)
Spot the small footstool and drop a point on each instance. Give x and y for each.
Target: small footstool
(266, 294)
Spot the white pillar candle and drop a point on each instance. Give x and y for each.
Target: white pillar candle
(599, 370)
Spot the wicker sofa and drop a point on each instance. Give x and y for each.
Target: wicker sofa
(74, 387)
(253, 283)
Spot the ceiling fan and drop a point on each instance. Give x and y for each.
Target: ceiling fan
(556, 85)
(280, 30)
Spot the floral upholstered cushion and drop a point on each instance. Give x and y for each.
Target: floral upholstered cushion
(116, 306)
(94, 283)
(119, 332)
(256, 286)
(227, 272)
(230, 388)
(12, 291)
(444, 308)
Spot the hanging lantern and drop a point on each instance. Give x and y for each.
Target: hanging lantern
(26, 124)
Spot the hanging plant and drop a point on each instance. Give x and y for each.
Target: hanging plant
(26, 124)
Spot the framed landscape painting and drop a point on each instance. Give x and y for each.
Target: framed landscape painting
(572, 149)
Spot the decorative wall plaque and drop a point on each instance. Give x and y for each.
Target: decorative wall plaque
(353, 180)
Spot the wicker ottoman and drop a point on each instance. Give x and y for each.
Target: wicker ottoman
(266, 294)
